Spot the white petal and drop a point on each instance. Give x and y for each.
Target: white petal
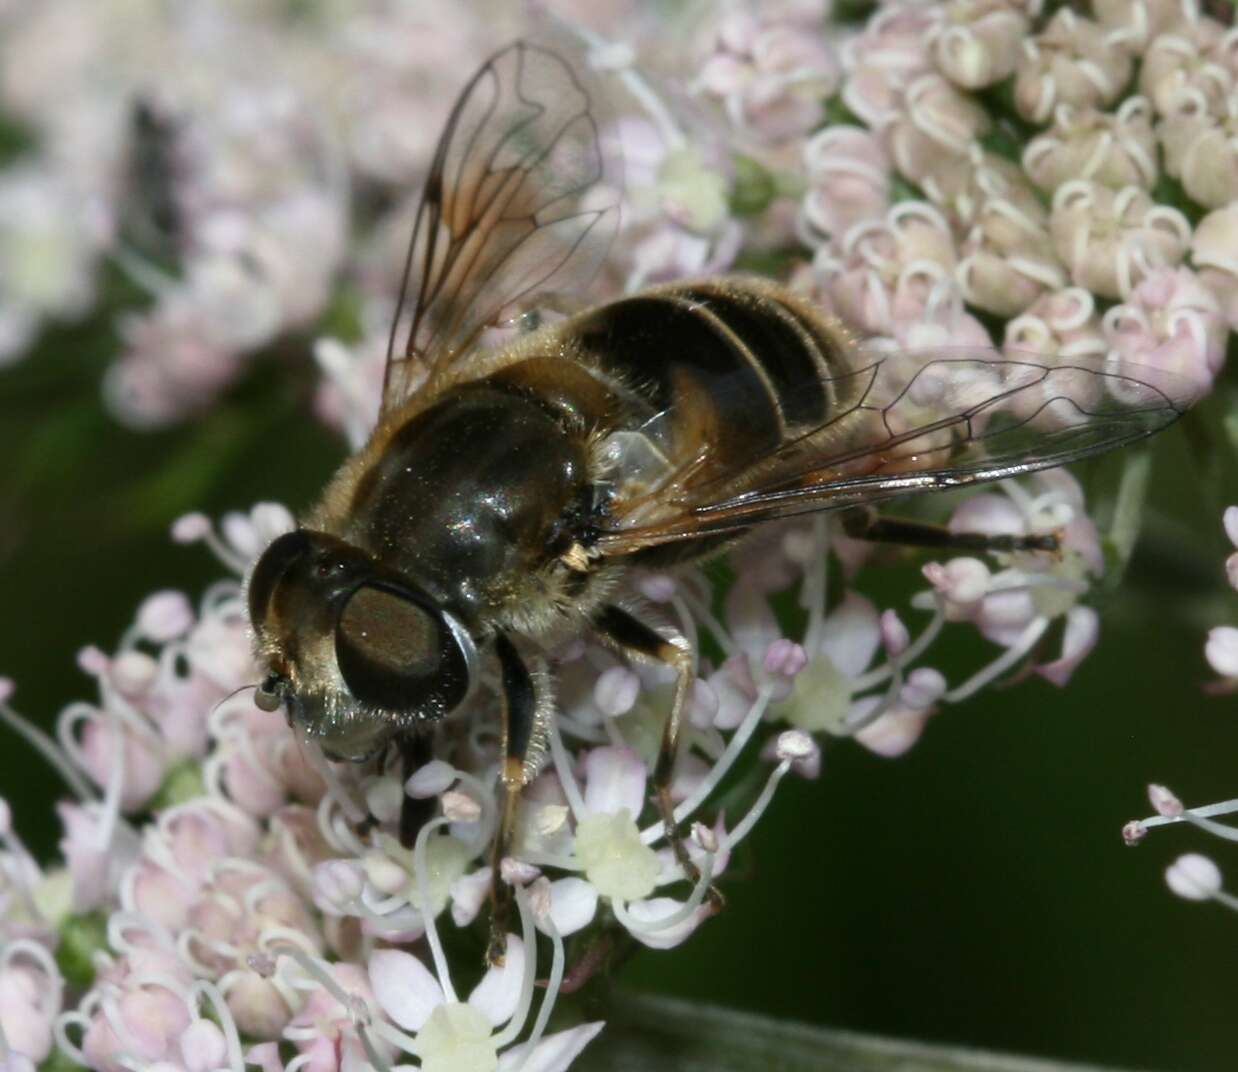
(988, 513)
(404, 988)
(468, 893)
(554, 1053)
(852, 634)
(1078, 638)
(573, 904)
(430, 780)
(1230, 520)
(894, 732)
(657, 908)
(1221, 650)
(751, 619)
(498, 993)
(614, 779)
(1194, 877)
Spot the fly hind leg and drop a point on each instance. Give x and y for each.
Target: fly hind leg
(864, 523)
(634, 638)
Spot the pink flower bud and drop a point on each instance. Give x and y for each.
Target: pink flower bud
(1134, 832)
(616, 690)
(940, 123)
(894, 635)
(1110, 240)
(980, 44)
(785, 658)
(164, 616)
(1214, 253)
(963, 581)
(1069, 62)
(1008, 259)
(460, 807)
(337, 883)
(1114, 150)
(891, 51)
(1164, 802)
(849, 179)
(190, 528)
(518, 872)
(1181, 65)
(1131, 24)
(1061, 323)
(1170, 323)
(923, 688)
(1200, 152)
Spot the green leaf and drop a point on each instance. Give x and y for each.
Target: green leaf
(838, 114)
(58, 1062)
(81, 936)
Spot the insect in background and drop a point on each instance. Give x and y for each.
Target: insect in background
(507, 490)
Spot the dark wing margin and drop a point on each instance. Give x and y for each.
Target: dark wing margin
(909, 423)
(520, 199)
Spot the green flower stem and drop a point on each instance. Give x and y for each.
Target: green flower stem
(646, 1032)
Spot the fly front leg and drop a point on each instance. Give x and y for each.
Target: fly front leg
(519, 725)
(864, 523)
(416, 750)
(634, 638)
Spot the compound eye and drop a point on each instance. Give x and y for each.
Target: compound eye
(270, 693)
(402, 654)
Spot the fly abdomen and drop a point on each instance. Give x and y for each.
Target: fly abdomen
(672, 354)
(785, 345)
(729, 362)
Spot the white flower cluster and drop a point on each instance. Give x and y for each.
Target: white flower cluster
(253, 904)
(1108, 231)
(227, 158)
(254, 900)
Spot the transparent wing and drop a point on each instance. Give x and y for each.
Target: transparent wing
(520, 199)
(904, 423)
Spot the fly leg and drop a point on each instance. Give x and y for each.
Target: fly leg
(634, 638)
(519, 720)
(416, 750)
(864, 523)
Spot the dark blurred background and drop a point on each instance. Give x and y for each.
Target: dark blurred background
(976, 891)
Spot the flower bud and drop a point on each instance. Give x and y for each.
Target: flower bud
(849, 179)
(1180, 65)
(1214, 252)
(1069, 62)
(1200, 151)
(979, 43)
(937, 127)
(1110, 240)
(1170, 323)
(1194, 877)
(1115, 150)
(1008, 259)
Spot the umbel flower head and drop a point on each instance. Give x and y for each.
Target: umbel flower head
(253, 900)
(237, 899)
